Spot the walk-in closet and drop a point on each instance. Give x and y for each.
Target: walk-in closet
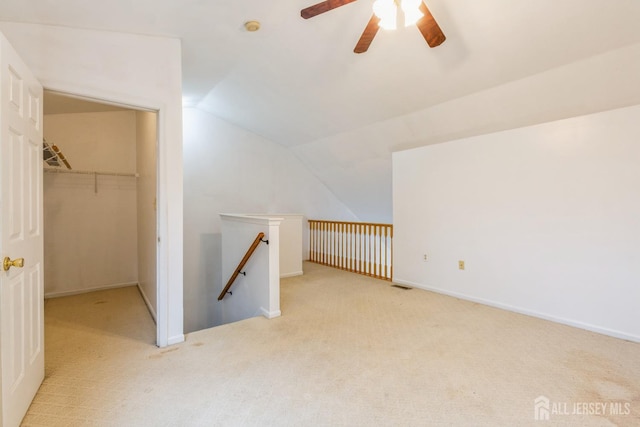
(100, 191)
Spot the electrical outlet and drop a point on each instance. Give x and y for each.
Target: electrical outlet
(461, 265)
(425, 257)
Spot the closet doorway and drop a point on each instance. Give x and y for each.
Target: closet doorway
(100, 197)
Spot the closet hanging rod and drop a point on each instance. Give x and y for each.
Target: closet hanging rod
(51, 170)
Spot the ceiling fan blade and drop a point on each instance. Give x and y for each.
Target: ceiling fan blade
(367, 35)
(322, 7)
(429, 28)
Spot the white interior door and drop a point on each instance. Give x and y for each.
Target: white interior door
(21, 236)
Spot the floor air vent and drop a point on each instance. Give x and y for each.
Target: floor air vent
(401, 287)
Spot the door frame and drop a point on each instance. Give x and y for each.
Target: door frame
(169, 310)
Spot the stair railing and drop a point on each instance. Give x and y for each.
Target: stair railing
(238, 269)
(364, 248)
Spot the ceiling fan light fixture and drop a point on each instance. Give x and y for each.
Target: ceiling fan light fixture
(412, 12)
(387, 11)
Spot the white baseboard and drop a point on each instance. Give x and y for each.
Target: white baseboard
(521, 310)
(148, 303)
(176, 339)
(87, 290)
(295, 273)
(270, 314)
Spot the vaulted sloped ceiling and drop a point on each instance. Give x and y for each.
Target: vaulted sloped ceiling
(297, 82)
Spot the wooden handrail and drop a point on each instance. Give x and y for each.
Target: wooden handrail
(237, 271)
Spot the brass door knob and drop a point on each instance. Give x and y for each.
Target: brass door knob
(7, 263)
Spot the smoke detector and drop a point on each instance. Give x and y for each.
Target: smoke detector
(252, 26)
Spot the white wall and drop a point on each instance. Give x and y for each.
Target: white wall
(134, 70)
(103, 141)
(90, 237)
(546, 218)
(146, 166)
(227, 169)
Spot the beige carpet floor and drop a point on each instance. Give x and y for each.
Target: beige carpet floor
(347, 351)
